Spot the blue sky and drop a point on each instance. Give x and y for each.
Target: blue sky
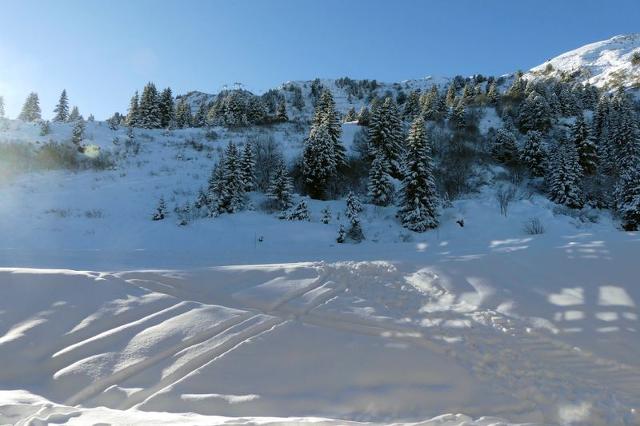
(101, 51)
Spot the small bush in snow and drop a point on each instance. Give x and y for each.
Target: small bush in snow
(161, 210)
(505, 195)
(326, 215)
(299, 212)
(533, 226)
(341, 234)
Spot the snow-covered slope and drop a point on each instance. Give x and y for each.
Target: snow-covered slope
(605, 63)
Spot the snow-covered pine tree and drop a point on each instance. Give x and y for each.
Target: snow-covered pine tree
(353, 205)
(350, 116)
(504, 147)
(161, 210)
(467, 94)
(215, 185)
(299, 212)
(627, 190)
(535, 113)
(45, 128)
(319, 162)
(202, 201)
(298, 100)
(380, 187)
(61, 110)
(533, 154)
(326, 114)
(248, 166)
(75, 115)
(280, 190)
(342, 234)
(232, 196)
(150, 107)
(200, 117)
(326, 215)
(281, 114)
(166, 108)
(627, 195)
(77, 134)
(412, 105)
(385, 135)
(451, 95)
(459, 115)
(492, 94)
(565, 176)
(31, 108)
(622, 130)
(257, 111)
(133, 115)
(585, 145)
(419, 201)
(183, 114)
(364, 116)
(1, 107)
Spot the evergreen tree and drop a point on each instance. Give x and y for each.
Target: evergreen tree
(248, 165)
(1, 107)
(451, 95)
(516, 90)
(533, 153)
(380, 185)
(459, 115)
(535, 113)
(77, 134)
(364, 116)
(412, 105)
(200, 118)
(257, 113)
(467, 94)
(31, 108)
(354, 206)
(183, 114)
(62, 109)
(74, 115)
(351, 115)
(326, 215)
(166, 108)
(504, 147)
(232, 195)
(91, 118)
(299, 212)
(161, 210)
(565, 177)
(325, 114)
(133, 116)
(492, 94)
(45, 128)
(419, 205)
(280, 187)
(385, 134)
(342, 234)
(319, 162)
(215, 186)
(627, 196)
(281, 115)
(585, 146)
(298, 100)
(150, 108)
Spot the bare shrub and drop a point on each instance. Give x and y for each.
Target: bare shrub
(268, 155)
(505, 195)
(533, 226)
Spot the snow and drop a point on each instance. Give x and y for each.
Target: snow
(598, 63)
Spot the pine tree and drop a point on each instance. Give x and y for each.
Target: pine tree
(161, 210)
(281, 115)
(200, 118)
(467, 94)
(326, 215)
(535, 113)
(183, 114)
(31, 108)
(325, 114)
(533, 154)
(319, 162)
(565, 177)
(166, 108)
(585, 146)
(74, 115)
(62, 109)
(504, 147)
(419, 205)
(232, 196)
(364, 116)
(280, 187)
(248, 165)
(380, 186)
(459, 115)
(150, 108)
(257, 111)
(354, 206)
(342, 234)
(77, 134)
(492, 94)
(298, 100)
(215, 187)
(299, 212)
(451, 95)
(45, 128)
(133, 116)
(385, 135)
(1, 107)
(627, 196)
(412, 105)
(350, 116)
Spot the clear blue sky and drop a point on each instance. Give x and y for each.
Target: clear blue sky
(101, 51)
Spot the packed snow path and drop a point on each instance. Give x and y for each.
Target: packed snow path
(363, 341)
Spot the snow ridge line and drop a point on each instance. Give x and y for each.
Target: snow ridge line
(102, 384)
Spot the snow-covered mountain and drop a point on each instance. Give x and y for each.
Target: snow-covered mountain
(610, 63)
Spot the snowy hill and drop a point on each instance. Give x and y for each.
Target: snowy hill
(608, 63)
